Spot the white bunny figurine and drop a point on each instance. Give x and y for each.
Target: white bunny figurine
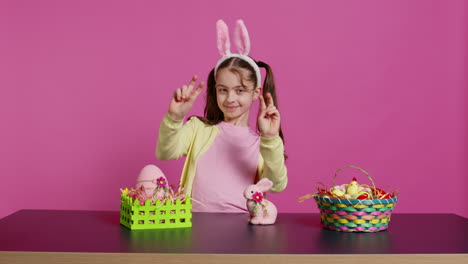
(262, 211)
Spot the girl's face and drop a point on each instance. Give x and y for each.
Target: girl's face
(233, 98)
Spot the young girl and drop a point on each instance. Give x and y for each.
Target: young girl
(223, 155)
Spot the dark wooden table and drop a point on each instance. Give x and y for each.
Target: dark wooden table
(48, 236)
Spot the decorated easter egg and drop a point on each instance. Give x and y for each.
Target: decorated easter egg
(149, 177)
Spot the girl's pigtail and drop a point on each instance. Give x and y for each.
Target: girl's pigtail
(269, 87)
(213, 115)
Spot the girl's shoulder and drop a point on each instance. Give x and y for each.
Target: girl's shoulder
(200, 122)
(195, 119)
(203, 132)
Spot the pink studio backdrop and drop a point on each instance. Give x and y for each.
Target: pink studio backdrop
(377, 84)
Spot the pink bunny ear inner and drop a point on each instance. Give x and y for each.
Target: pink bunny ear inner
(264, 184)
(222, 34)
(241, 38)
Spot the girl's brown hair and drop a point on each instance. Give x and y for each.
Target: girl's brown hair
(214, 115)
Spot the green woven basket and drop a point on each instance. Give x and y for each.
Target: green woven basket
(147, 216)
(354, 215)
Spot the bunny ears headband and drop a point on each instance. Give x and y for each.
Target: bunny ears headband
(242, 42)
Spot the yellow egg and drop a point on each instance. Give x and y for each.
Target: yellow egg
(342, 221)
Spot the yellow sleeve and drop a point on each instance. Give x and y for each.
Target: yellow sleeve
(174, 138)
(273, 167)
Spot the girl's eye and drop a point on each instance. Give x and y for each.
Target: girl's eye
(240, 90)
(251, 191)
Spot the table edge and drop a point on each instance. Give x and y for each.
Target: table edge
(100, 258)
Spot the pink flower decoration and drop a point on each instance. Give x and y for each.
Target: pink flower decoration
(257, 197)
(161, 182)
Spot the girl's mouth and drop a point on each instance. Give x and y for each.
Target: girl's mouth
(231, 107)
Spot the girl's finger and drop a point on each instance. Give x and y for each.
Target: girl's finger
(184, 92)
(191, 85)
(269, 99)
(192, 82)
(262, 103)
(178, 95)
(271, 107)
(198, 90)
(272, 112)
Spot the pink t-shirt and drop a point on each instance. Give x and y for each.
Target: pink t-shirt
(226, 169)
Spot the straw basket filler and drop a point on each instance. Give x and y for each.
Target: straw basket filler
(354, 215)
(147, 216)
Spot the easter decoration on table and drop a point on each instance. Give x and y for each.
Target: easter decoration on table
(151, 177)
(154, 183)
(353, 207)
(262, 211)
(153, 204)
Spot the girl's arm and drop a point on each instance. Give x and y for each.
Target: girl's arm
(274, 168)
(174, 138)
(271, 145)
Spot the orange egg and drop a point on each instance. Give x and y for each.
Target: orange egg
(350, 217)
(367, 217)
(382, 216)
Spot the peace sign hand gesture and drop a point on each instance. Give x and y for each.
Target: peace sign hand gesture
(183, 99)
(268, 117)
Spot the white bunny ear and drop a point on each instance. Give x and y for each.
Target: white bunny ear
(264, 184)
(241, 38)
(222, 31)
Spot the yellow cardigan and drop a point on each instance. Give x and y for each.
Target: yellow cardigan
(195, 137)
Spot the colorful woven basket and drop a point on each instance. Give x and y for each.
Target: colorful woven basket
(354, 215)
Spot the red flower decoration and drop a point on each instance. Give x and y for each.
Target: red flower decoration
(161, 182)
(363, 196)
(138, 194)
(257, 197)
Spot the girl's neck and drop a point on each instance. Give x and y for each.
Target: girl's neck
(242, 120)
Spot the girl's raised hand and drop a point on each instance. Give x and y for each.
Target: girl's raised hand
(268, 117)
(183, 99)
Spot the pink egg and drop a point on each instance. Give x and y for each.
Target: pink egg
(147, 178)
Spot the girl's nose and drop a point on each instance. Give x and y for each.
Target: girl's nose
(231, 96)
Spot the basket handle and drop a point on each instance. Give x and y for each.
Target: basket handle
(351, 166)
